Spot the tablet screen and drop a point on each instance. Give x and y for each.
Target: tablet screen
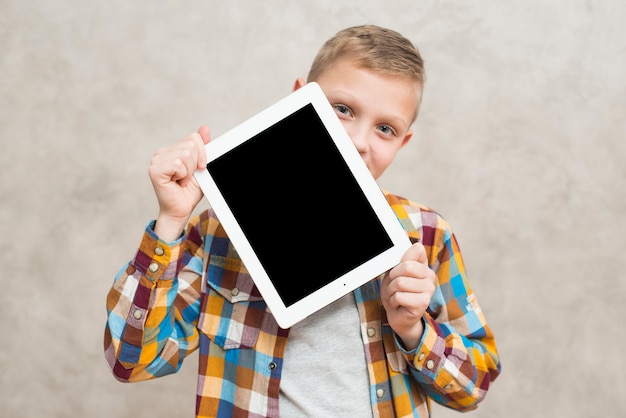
(313, 223)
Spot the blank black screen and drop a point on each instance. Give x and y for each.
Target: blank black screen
(299, 205)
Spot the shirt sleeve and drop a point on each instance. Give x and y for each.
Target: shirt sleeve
(457, 357)
(153, 307)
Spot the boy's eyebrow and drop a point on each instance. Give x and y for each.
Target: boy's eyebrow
(339, 92)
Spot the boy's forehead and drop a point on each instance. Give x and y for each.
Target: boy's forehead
(349, 63)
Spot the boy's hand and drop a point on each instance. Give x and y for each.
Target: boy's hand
(406, 291)
(171, 173)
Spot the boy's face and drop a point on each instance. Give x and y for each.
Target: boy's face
(376, 110)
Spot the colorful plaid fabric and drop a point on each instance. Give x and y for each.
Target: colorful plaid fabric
(195, 293)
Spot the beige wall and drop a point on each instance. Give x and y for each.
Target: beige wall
(520, 144)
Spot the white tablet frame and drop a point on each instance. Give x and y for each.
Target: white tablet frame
(286, 316)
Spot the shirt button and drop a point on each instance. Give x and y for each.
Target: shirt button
(159, 251)
(380, 393)
(137, 314)
(430, 364)
(153, 267)
(273, 365)
(421, 357)
(234, 291)
(371, 332)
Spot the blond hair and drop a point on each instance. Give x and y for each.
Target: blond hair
(373, 48)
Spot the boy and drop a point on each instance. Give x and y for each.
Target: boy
(414, 334)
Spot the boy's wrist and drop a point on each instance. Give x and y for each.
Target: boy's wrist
(411, 340)
(169, 229)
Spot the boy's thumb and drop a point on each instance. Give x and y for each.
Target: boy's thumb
(205, 133)
(416, 252)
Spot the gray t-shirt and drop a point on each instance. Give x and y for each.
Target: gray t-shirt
(325, 372)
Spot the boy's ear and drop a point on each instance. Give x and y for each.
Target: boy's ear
(406, 138)
(299, 83)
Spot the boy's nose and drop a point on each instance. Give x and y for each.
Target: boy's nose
(359, 138)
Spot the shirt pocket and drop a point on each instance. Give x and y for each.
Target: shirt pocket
(232, 310)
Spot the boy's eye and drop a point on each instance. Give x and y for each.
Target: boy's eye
(342, 109)
(386, 129)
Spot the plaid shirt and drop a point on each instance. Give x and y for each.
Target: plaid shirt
(195, 293)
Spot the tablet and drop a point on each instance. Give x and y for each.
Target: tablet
(302, 210)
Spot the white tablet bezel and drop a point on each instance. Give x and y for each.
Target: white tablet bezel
(286, 316)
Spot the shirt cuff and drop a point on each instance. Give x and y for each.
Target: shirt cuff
(429, 355)
(157, 259)
(429, 358)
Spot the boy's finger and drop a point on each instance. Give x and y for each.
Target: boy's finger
(205, 135)
(416, 252)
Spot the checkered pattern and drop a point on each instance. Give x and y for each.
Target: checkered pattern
(195, 293)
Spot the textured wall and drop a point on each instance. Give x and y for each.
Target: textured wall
(520, 144)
